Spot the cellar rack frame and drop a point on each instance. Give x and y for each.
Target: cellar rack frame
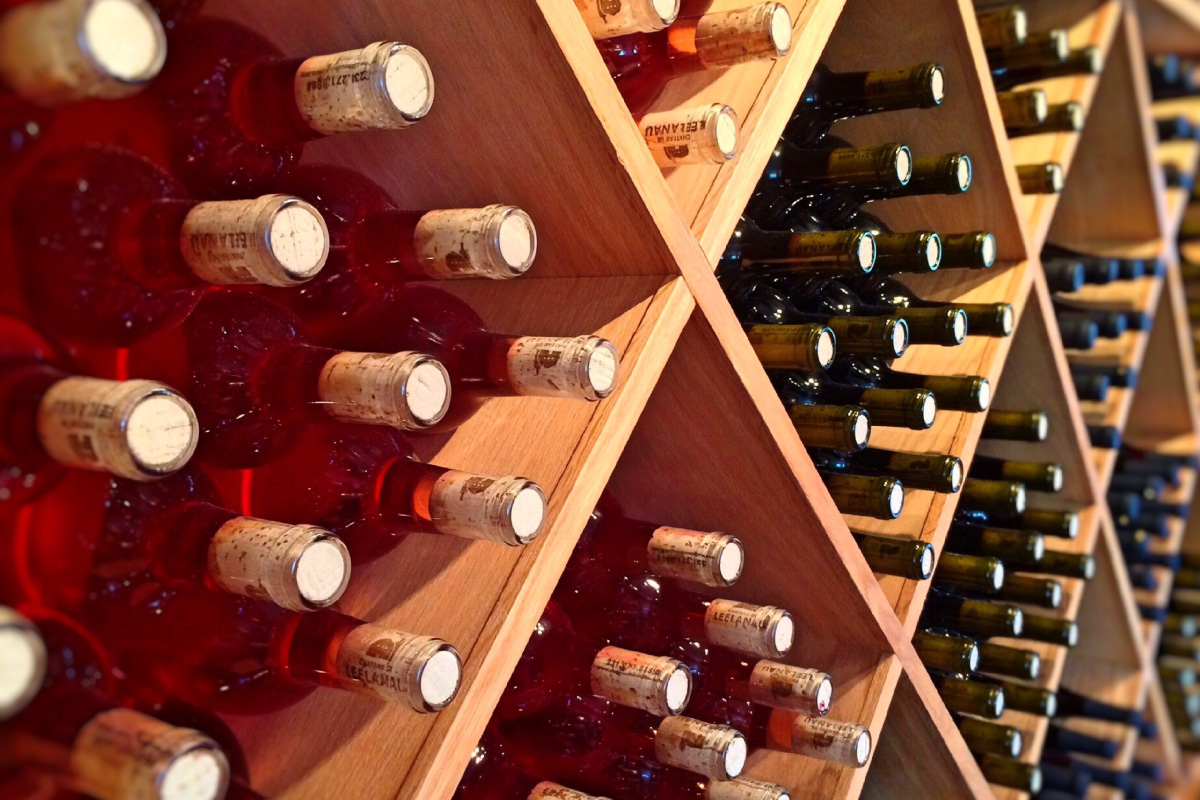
(628, 251)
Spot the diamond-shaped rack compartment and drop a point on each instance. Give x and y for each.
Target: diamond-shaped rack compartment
(1170, 26)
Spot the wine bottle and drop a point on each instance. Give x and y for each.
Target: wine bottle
(1003, 27)
(1109, 324)
(1041, 628)
(809, 348)
(1064, 276)
(1060, 737)
(134, 542)
(238, 113)
(976, 250)
(1062, 780)
(606, 20)
(1031, 590)
(1118, 376)
(112, 249)
(1174, 127)
(831, 96)
(1014, 662)
(1060, 118)
(1085, 61)
(1045, 178)
(944, 651)
(1031, 700)
(724, 682)
(973, 617)
(756, 251)
(1181, 647)
(140, 430)
(969, 574)
(1181, 672)
(374, 246)
(1011, 773)
(979, 319)
(985, 737)
(578, 737)
(862, 495)
(643, 63)
(949, 174)
(1037, 50)
(1104, 437)
(614, 544)
(1090, 386)
(1181, 624)
(682, 136)
(557, 662)
(915, 409)
(1074, 704)
(255, 380)
(954, 392)
(57, 52)
(1077, 332)
(969, 697)
(482, 363)
(1003, 499)
(1098, 269)
(62, 717)
(246, 657)
(1023, 109)
(1016, 426)
(1165, 75)
(1143, 484)
(490, 773)
(835, 167)
(365, 484)
(1036, 476)
(931, 471)
(1021, 548)
(646, 614)
(890, 555)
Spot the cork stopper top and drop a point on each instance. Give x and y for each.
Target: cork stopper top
(322, 572)
(984, 394)
(1040, 105)
(1074, 114)
(927, 559)
(22, 662)
(125, 39)
(895, 498)
(735, 756)
(933, 253)
(998, 577)
(1056, 594)
(1073, 526)
(937, 85)
(1054, 178)
(1020, 24)
(988, 249)
(963, 172)
(667, 10)
(866, 249)
(1018, 622)
(731, 562)
(899, 337)
(726, 131)
(296, 567)
(440, 677)
(862, 428)
(928, 409)
(298, 239)
(195, 775)
(1019, 498)
(862, 747)
(956, 475)
(826, 348)
(759, 32)
(1043, 430)
(162, 431)
(516, 240)
(409, 81)
(904, 164)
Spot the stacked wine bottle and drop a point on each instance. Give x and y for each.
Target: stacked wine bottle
(1018, 58)
(640, 681)
(212, 418)
(646, 44)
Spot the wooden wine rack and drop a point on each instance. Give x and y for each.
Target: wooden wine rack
(527, 114)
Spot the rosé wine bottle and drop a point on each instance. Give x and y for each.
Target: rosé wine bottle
(102, 547)
(113, 250)
(482, 363)
(240, 112)
(643, 63)
(647, 614)
(375, 245)
(612, 543)
(57, 688)
(233, 655)
(53, 419)
(257, 380)
(718, 676)
(54, 53)
(558, 663)
(490, 775)
(365, 484)
(579, 736)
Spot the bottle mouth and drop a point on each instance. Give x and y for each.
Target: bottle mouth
(297, 240)
(124, 40)
(601, 368)
(926, 564)
(1018, 498)
(895, 499)
(1018, 622)
(731, 561)
(779, 26)
(1020, 25)
(677, 689)
(866, 250)
(1056, 595)
(22, 663)
(997, 704)
(903, 162)
(1056, 478)
(862, 748)
(514, 241)
(1095, 60)
(937, 85)
(933, 251)
(1039, 106)
(726, 133)
(161, 433)
(525, 512)
(1054, 178)
(983, 394)
(860, 428)
(926, 409)
(987, 250)
(667, 11)
(440, 677)
(1074, 115)
(783, 634)
(426, 391)
(964, 171)
(955, 478)
(826, 348)
(1059, 43)
(322, 572)
(824, 696)
(998, 577)
(973, 657)
(407, 82)
(958, 326)
(1042, 427)
(734, 756)
(899, 336)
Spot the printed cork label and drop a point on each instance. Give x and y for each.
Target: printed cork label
(687, 555)
(785, 686)
(829, 739)
(552, 791)
(384, 663)
(733, 37)
(633, 679)
(258, 558)
(744, 789)
(705, 135)
(693, 745)
(551, 366)
(384, 85)
(122, 753)
(608, 18)
(375, 388)
(496, 241)
(741, 626)
(473, 506)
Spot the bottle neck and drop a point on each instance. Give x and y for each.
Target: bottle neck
(423, 497)
(578, 368)
(845, 428)
(969, 250)
(810, 348)
(656, 684)
(856, 94)
(759, 33)
(763, 631)
(634, 16)
(23, 385)
(715, 751)
(869, 171)
(828, 252)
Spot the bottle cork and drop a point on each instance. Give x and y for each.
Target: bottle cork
(274, 240)
(659, 685)
(22, 662)
(408, 391)
(420, 672)
(581, 368)
(136, 429)
(296, 567)
(765, 631)
(784, 686)
(553, 791)
(705, 135)
(124, 755)
(712, 559)
(715, 751)
(508, 510)
(63, 51)
(831, 740)
(807, 347)
(608, 18)
(385, 85)
(746, 789)
(758, 33)
(496, 241)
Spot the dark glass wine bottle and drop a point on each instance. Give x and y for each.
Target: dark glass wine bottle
(969, 697)
(1017, 426)
(1023, 549)
(1060, 118)
(890, 555)
(944, 651)
(914, 409)
(981, 319)
(1031, 590)
(1037, 476)
(836, 168)
(1045, 178)
(985, 737)
(1074, 704)
(756, 251)
(1060, 737)
(1023, 109)
(1011, 773)
(1002, 27)
(972, 617)
(931, 471)
(1041, 628)
(972, 575)
(953, 392)
(1003, 499)
(1014, 662)
(862, 495)
(808, 348)
(1029, 699)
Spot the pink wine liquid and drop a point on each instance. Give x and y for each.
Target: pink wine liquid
(643, 63)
